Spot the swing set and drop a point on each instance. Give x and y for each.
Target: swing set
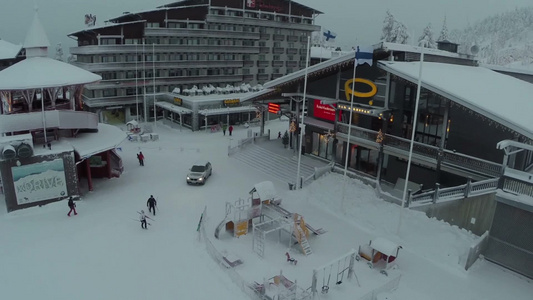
(345, 264)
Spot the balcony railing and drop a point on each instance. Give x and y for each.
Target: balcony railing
(292, 38)
(132, 49)
(262, 63)
(277, 63)
(190, 64)
(292, 51)
(185, 32)
(278, 37)
(262, 76)
(264, 36)
(291, 64)
(277, 50)
(430, 153)
(264, 50)
(248, 63)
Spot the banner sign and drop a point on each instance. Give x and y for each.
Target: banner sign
(324, 111)
(178, 101)
(231, 102)
(39, 181)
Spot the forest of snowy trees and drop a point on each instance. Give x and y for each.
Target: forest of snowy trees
(505, 39)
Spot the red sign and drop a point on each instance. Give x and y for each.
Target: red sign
(324, 111)
(273, 108)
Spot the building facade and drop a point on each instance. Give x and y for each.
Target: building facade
(190, 43)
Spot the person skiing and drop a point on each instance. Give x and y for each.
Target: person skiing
(143, 218)
(72, 206)
(230, 129)
(151, 204)
(140, 156)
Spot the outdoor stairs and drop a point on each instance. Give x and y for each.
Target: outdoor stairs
(278, 166)
(306, 248)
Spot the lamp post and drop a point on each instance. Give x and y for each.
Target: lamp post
(302, 122)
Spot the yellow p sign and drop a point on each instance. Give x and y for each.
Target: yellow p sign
(348, 88)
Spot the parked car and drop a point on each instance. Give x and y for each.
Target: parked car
(199, 173)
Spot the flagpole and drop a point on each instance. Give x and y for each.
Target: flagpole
(349, 134)
(136, 86)
(413, 131)
(144, 85)
(153, 71)
(302, 120)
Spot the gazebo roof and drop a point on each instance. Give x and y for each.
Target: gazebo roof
(43, 72)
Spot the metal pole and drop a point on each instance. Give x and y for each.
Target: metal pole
(412, 139)
(153, 70)
(144, 85)
(136, 85)
(302, 121)
(44, 117)
(349, 134)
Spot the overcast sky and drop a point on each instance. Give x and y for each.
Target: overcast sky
(355, 22)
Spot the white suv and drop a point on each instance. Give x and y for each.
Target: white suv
(199, 173)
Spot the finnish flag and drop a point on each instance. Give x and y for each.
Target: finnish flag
(329, 36)
(364, 54)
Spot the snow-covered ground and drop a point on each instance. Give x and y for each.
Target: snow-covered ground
(102, 253)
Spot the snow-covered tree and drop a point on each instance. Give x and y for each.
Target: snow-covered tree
(394, 31)
(59, 52)
(443, 32)
(388, 27)
(426, 39)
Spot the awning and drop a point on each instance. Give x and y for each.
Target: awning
(90, 143)
(318, 123)
(174, 108)
(227, 110)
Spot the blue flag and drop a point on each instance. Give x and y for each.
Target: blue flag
(364, 54)
(329, 35)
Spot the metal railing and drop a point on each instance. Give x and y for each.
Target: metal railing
(516, 186)
(451, 159)
(438, 195)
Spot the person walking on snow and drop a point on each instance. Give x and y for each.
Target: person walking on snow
(224, 126)
(72, 206)
(140, 156)
(151, 204)
(230, 129)
(143, 220)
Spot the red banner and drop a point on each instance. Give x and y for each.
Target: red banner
(324, 111)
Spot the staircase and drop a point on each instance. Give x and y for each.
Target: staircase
(302, 240)
(278, 166)
(259, 243)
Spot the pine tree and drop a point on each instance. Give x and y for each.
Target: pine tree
(443, 32)
(388, 27)
(426, 39)
(59, 52)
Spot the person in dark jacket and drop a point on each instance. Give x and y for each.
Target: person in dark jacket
(230, 129)
(72, 206)
(151, 204)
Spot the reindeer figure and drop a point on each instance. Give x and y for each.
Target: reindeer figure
(290, 259)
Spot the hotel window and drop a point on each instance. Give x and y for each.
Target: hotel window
(110, 92)
(248, 43)
(260, 71)
(277, 57)
(109, 75)
(291, 45)
(245, 71)
(152, 25)
(289, 70)
(262, 44)
(229, 57)
(108, 41)
(276, 71)
(130, 91)
(277, 44)
(290, 57)
(261, 57)
(246, 57)
(277, 30)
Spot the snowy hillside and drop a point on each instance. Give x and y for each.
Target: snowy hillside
(505, 39)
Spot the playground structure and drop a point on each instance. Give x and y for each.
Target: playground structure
(342, 265)
(239, 215)
(279, 287)
(264, 202)
(380, 253)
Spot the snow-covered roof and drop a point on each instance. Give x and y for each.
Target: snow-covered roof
(90, 143)
(385, 246)
(526, 69)
(500, 97)
(8, 50)
(326, 52)
(386, 46)
(173, 108)
(265, 190)
(314, 68)
(43, 72)
(318, 123)
(220, 97)
(36, 36)
(227, 110)
(106, 25)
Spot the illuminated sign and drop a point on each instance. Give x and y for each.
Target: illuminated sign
(178, 101)
(348, 88)
(273, 108)
(231, 102)
(324, 111)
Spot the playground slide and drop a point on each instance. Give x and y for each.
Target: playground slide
(220, 226)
